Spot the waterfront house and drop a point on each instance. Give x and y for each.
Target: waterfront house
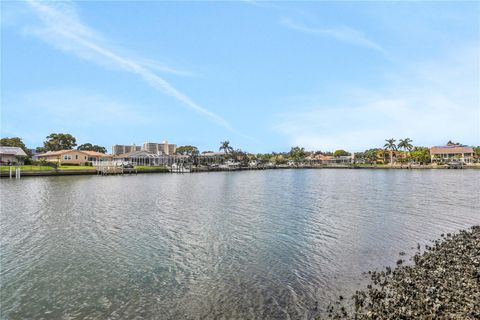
(442, 154)
(74, 157)
(208, 158)
(328, 160)
(317, 158)
(147, 158)
(12, 155)
(340, 160)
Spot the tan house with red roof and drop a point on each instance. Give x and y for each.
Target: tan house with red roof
(74, 157)
(447, 153)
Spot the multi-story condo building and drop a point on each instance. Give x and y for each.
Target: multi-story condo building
(160, 148)
(121, 149)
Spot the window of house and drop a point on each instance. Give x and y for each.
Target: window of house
(76, 157)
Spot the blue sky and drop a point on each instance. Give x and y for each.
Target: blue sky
(264, 75)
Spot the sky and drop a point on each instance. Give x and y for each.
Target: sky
(266, 76)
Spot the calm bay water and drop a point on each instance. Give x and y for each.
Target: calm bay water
(253, 244)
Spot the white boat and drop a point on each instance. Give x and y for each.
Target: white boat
(230, 165)
(179, 168)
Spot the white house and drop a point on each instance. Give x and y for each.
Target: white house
(12, 155)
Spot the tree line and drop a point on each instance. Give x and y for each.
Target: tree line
(418, 154)
(53, 142)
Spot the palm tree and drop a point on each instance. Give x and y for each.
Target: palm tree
(225, 146)
(405, 144)
(390, 145)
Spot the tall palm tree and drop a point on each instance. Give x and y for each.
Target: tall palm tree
(390, 145)
(225, 146)
(405, 144)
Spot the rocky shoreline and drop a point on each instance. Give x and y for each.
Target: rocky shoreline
(443, 282)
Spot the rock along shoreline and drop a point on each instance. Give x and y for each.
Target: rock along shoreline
(442, 283)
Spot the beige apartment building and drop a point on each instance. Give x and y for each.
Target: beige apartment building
(160, 148)
(121, 149)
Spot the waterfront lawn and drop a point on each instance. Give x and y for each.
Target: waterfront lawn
(27, 168)
(66, 168)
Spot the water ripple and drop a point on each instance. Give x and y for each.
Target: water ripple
(243, 245)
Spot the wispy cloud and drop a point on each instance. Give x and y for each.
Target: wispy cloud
(343, 33)
(152, 64)
(63, 28)
(430, 102)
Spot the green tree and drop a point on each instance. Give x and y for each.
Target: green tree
(421, 155)
(476, 153)
(371, 155)
(58, 141)
(297, 154)
(391, 146)
(405, 144)
(278, 159)
(187, 150)
(359, 155)
(15, 142)
(90, 147)
(240, 155)
(340, 153)
(225, 146)
(451, 143)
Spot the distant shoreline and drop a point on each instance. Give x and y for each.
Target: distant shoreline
(33, 173)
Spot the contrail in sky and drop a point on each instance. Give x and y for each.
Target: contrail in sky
(64, 29)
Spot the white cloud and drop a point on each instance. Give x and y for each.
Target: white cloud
(343, 33)
(430, 103)
(63, 28)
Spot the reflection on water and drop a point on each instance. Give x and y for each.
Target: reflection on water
(257, 244)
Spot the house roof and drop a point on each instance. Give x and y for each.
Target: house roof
(451, 149)
(318, 157)
(212, 154)
(16, 151)
(134, 153)
(95, 153)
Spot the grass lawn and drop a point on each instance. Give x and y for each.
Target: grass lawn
(27, 168)
(76, 168)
